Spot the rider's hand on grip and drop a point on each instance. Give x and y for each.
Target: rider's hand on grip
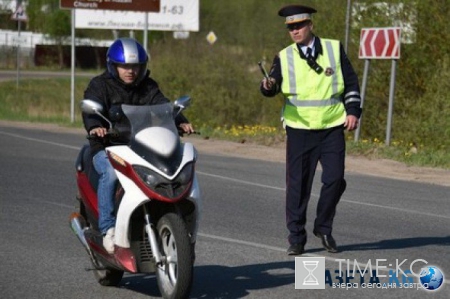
(113, 133)
(181, 132)
(185, 128)
(98, 132)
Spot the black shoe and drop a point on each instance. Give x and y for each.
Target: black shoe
(296, 249)
(328, 242)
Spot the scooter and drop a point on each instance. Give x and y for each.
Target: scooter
(158, 200)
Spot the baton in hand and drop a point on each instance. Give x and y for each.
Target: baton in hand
(263, 70)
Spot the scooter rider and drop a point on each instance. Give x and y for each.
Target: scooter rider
(126, 81)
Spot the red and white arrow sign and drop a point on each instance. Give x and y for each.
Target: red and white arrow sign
(380, 43)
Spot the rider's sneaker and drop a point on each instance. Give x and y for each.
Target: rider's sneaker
(108, 240)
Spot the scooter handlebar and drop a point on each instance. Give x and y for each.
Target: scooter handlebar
(181, 132)
(111, 133)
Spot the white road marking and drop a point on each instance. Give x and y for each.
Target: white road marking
(317, 196)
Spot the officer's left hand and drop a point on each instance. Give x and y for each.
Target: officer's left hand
(268, 84)
(187, 128)
(351, 122)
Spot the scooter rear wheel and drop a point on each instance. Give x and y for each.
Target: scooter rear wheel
(175, 275)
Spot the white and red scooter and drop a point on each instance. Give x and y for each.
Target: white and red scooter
(158, 200)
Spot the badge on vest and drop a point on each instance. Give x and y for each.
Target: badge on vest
(329, 71)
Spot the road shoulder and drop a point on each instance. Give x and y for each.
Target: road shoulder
(354, 164)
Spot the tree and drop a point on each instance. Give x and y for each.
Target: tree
(47, 17)
(58, 28)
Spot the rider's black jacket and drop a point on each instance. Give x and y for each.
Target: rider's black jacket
(111, 92)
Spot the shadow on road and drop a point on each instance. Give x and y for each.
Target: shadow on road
(213, 281)
(394, 244)
(399, 243)
(221, 281)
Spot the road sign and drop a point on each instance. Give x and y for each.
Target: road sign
(380, 43)
(133, 5)
(211, 37)
(19, 14)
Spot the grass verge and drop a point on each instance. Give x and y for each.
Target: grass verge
(48, 101)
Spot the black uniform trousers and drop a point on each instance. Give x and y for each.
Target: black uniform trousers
(305, 148)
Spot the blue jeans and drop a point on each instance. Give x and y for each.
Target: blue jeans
(105, 192)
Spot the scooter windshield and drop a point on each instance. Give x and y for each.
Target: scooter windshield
(154, 135)
(142, 117)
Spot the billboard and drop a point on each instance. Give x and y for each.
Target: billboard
(174, 15)
(137, 5)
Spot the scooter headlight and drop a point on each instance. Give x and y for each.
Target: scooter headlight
(163, 186)
(149, 177)
(185, 175)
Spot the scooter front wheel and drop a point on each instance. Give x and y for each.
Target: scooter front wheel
(175, 274)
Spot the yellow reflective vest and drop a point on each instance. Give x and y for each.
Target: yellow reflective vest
(313, 101)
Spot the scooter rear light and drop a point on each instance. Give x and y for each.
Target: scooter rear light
(126, 258)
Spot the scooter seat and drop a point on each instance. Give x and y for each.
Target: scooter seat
(84, 164)
(80, 162)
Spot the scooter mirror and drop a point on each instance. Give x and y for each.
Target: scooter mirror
(183, 102)
(91, 107)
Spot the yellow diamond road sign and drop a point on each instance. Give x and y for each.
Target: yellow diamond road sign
(211, 37)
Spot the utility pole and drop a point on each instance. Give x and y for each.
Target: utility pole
(347, 24)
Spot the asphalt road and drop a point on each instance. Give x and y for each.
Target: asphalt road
(242, 242)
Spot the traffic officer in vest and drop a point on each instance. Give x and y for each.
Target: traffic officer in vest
(321, 100)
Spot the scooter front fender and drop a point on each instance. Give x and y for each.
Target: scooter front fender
(132, 199)
(196, 198)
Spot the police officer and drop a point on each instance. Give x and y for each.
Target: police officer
(322, 99)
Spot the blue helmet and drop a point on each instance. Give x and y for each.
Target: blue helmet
(126, 51)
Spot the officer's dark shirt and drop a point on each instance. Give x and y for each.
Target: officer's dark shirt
(110, 92)
(350, 78)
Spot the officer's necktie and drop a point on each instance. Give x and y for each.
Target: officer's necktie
(308, 53)
(312, 62)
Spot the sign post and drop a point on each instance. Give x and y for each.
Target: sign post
(380, 43)
(20, 16)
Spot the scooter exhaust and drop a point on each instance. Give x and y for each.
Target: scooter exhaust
(78, 225)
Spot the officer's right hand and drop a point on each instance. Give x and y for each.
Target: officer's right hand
(268, 84)
(99, 132)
